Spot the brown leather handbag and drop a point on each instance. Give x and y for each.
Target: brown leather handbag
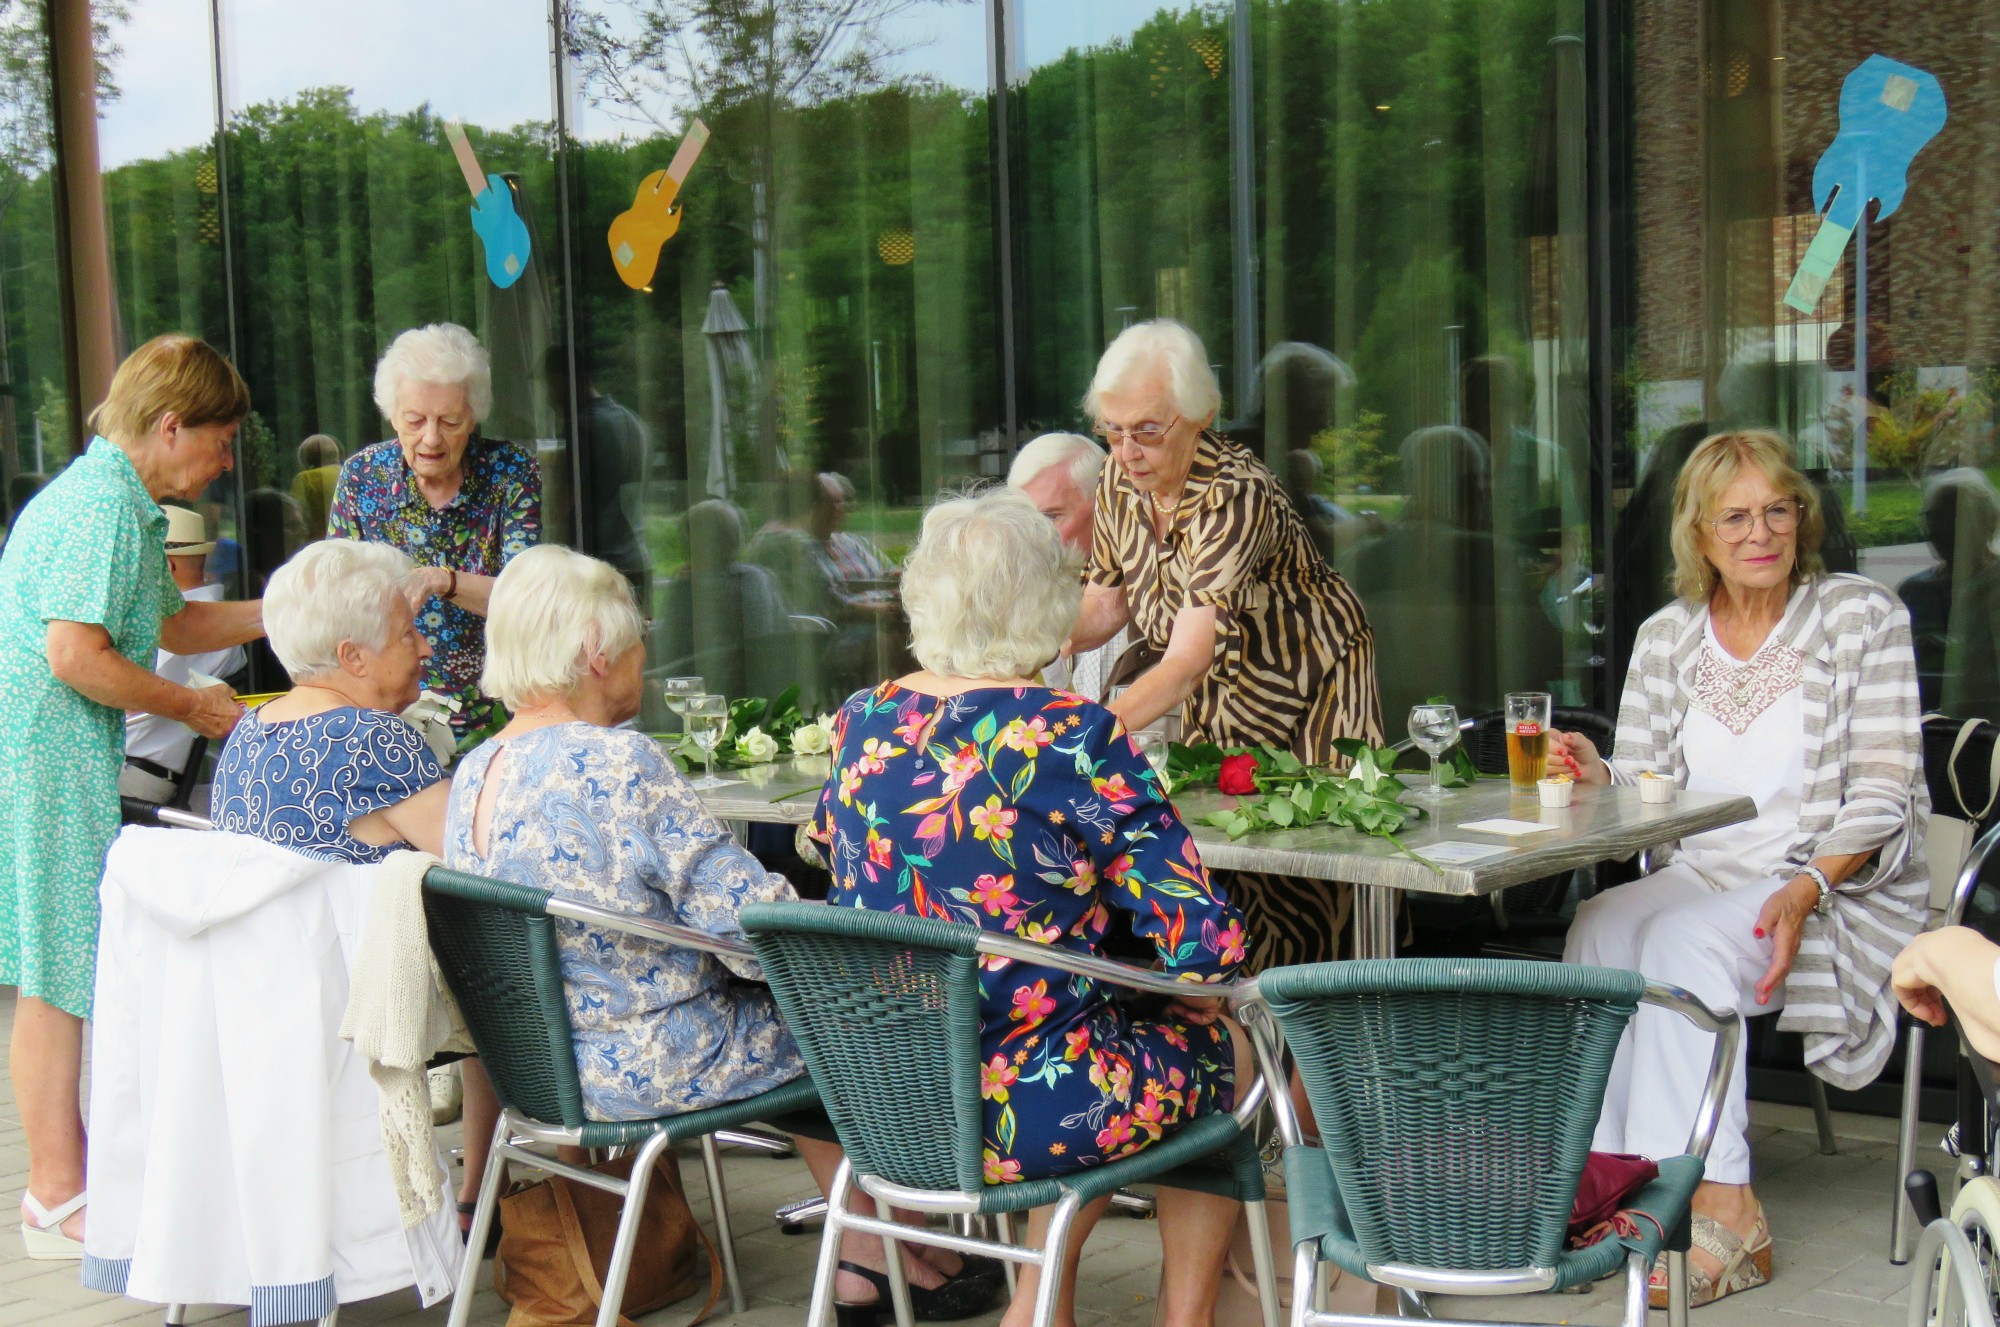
(555, 1247)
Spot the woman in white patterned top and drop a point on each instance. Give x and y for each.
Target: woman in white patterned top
(1770, 679)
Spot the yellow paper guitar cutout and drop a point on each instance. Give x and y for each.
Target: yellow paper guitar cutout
(637, 233)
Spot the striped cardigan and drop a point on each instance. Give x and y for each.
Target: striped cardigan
(1864, 792)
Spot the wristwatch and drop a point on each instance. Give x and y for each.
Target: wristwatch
(1825, 904)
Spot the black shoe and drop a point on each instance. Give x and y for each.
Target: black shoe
(966, 1295)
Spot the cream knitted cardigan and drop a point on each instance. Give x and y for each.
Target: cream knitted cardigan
(399, 1016)
(1864, 792)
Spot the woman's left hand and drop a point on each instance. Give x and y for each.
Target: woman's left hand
(1782, 920)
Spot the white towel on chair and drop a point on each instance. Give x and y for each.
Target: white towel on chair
(399, 1017)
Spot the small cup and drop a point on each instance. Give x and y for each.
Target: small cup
(1556, 792)
(1654, 790)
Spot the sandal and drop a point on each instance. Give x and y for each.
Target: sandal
(1745, 1265)
(41, 1228)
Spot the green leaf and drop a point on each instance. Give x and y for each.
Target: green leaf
(984, 730)
(1281, 811)
(1003, 1128)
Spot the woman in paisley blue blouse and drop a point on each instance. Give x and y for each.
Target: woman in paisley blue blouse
(562, 799)
(970, 793)
(329, 770)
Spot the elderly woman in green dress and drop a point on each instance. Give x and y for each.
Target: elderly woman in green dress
(85, 600)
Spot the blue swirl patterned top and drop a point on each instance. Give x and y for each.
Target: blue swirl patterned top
(299, 783)
(604, 817)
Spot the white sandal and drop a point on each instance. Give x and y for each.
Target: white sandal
(41, 1228)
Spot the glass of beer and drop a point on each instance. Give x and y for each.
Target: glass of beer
(1527, 738)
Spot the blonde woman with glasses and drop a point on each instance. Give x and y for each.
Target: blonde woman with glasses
(1771, 679)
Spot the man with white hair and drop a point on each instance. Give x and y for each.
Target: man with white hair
(156, 747)
(1059, 473)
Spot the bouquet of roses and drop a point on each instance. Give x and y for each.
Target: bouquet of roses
(1276, 790)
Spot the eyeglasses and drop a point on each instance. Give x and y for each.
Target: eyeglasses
(1146, 435)
(1779, 518)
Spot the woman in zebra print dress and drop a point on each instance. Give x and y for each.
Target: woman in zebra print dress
(1259, 641)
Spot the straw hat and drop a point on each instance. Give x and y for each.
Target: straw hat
(187, 534)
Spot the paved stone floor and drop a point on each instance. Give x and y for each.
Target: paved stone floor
(1829, 1214)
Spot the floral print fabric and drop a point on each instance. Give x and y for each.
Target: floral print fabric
(604, 817)
(496, 515)
(1030, 812)
(91, 547)
(300, 783)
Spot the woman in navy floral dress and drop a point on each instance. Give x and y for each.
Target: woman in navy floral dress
(967, 792)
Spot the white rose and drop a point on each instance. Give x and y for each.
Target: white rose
(757, 745)
(811, 739)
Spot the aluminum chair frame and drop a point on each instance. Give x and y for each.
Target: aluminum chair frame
(513, 1125)
(1412, 1283)
(1049, 1258)
(1900, 1212)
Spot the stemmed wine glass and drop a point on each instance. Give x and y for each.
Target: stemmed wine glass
(1152, 744)
(675, 691)
(707, 718)
(1434, 728)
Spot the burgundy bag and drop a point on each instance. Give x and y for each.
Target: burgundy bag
(1609, 1178)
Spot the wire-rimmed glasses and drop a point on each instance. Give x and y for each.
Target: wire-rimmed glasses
(1434, 728)
(1780, 518)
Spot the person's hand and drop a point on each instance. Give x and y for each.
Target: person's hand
(1782, 921)
(211, 711)
(1199, 1010)
(1910, 979)
(1578, 757)
(427, 583)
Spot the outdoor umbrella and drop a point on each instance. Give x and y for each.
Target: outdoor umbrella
(731, 362)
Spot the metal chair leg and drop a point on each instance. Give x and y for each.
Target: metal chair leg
(177, 1315)
(1635, 1290)
(620, 1266)
(899, 1280)
(793, 1218)
(1901, 1236)
(725, 1234)
(1308, 1286)
(1677, 1288)
(1822, 1115)
(821, 1306)
(482, 1221)
(1003, 1232)
(1262, 1261)
(330, 1319)
(1054, 1257)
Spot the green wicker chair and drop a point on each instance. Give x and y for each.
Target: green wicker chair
(495, 942)
(885, 1009)
(1455, 1100)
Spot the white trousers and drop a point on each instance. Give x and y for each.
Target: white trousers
(1676, 927)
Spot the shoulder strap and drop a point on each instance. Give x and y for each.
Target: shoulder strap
(1965, 732)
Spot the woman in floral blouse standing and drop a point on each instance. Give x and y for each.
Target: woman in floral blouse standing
(460, 505)
(967, 792)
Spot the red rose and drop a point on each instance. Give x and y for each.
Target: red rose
(1238, 776)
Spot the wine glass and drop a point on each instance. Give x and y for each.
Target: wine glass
(1152, 744)
(1434, 728)
(707, 719)
(675, 691)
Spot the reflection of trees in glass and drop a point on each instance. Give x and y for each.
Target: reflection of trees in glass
(30, 348)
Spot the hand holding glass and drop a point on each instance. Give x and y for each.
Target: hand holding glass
(1434, 728)
(707, 718)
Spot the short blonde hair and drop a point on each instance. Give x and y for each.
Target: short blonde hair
(991, 590)
(552, 609)
(443, 353)
(173, 373)
(332, 591)
(1160, 348)
(1711, 468)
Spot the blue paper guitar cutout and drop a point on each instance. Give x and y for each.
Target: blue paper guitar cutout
(494, 220)
(1888, 112)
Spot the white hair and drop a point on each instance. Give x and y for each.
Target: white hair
(332, 591)
(1086, 461)
(990, 589)
(552, 609)
(1160, 349)
(443, 353)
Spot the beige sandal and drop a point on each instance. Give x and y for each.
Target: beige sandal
(1745, 1265)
